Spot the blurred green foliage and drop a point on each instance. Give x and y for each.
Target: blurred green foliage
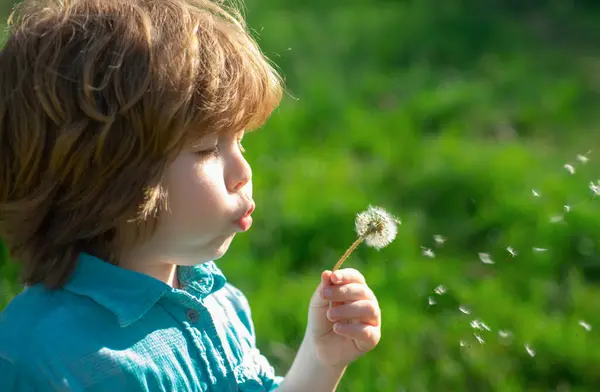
(449, 114)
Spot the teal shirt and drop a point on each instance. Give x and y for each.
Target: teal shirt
(111, 329)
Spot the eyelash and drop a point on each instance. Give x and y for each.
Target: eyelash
(214, 152)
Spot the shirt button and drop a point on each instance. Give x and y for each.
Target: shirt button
(192, 315)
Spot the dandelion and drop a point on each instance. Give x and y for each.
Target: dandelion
(585, 325)
(569, 168)
(485, 258)
(376, 227)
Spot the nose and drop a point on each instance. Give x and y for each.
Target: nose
(239, 173)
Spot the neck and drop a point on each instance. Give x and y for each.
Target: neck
(155, 267)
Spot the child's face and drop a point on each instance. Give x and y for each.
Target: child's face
(209, 189)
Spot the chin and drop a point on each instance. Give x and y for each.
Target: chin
(215, 249)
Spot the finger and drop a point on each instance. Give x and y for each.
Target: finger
(347, 275)
(365, 337)
(348, 292)
(326, 278)
(366, 312)
(326, 282)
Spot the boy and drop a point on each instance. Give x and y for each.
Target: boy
(122, 179)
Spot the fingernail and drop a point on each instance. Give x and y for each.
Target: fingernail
(337, 277)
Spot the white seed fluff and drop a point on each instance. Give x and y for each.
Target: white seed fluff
(378, 227)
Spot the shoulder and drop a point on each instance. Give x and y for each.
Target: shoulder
(23, 328)
(39, 321)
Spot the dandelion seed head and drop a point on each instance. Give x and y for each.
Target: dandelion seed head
(585, 325)
(377, 226)
(485, 258)
(569, 168)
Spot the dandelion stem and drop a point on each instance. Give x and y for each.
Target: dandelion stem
(348, 252)
(345, 256)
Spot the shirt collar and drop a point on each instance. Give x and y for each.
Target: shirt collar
(130, 294)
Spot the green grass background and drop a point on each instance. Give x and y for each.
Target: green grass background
(446, 113)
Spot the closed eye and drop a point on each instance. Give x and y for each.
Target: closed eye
(209, 152)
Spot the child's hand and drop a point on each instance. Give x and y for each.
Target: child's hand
(352, 327)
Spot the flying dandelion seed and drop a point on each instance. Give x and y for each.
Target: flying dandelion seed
(428, 252)
(557, 219)
(539, 250)
(567, 208)
(440, 290)
(432, 301)
(529, 350)
(504, 334)
(512, 252)
(595, 188)
(464, 310)
(535, 193)
(479, 338)
(583, 158)
(439, 239)
(569, 168)
(585, 325)
(476, 324)
(462, 343)
(485, 258)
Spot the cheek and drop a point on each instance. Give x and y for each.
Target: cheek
(195, 195)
